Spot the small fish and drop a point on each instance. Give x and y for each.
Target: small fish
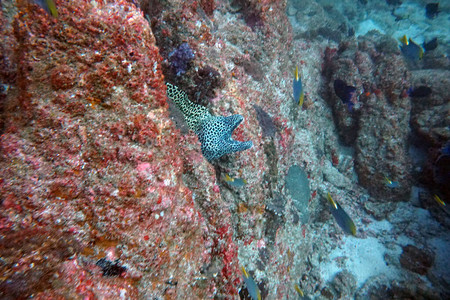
(394, 2)
(410, 49)
(49, 6)
(390, 183)
(403, 40)
(439, 201)
(342, 218)
(441, 166)
(299, 95)
(431, 45)
(344, 92)
(446, 149)
(442, 204)
(252, 287)
(432, 10)
(300, 293)
(236, 182)
(419, 92)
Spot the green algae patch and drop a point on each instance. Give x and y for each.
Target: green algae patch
(297, 184)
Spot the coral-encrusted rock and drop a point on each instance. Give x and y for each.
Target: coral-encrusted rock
(90, 156)
(416, 260)
(62, 77)
(29, 258)
(430, 119)
(379, 122)
(380, 287)
(430, 114)
(320, 21)
(344, 284)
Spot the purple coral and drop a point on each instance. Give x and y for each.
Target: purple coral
(180, 58)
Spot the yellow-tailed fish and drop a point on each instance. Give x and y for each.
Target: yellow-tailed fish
(299, 291)
(331, 201)
(410, 49)
(442, 204)
(49, 6)
(345, 93)
(439, 201)
(342, 218)
(404, 40)
(390, 183)
(252, 287)
(299, 94)
(236, 182)
(301, 295)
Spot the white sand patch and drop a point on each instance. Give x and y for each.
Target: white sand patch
(366, 26)
(441, 265)
(364, 258)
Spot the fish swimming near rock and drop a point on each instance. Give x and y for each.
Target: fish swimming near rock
(344, 92)
(252, 287)
(441, 166)
(49, 6)
(301, 295)
(235, 182)
(431, 45)
(439, 201)
(299, 95)
(342, 218)
(390, 183)
(446, 148)
(432, 10)
(410, 49)
(419, 92)
(394, 2)
(442, 204)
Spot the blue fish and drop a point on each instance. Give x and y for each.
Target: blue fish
(344, 92)
(431, 45)
(419, 92)
(410, 49)
(252, 287)
(442, 204)
(432, 10)
(299, 94)
(342, 218)
(49, 6)
(390, 183)
(446, 149)
(235, 182)
(441, 166)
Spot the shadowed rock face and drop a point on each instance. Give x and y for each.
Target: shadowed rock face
(429, 123)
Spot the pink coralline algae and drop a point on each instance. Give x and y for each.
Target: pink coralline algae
(90, 159)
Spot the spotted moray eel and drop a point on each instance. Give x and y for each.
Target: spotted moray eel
(214, 132)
